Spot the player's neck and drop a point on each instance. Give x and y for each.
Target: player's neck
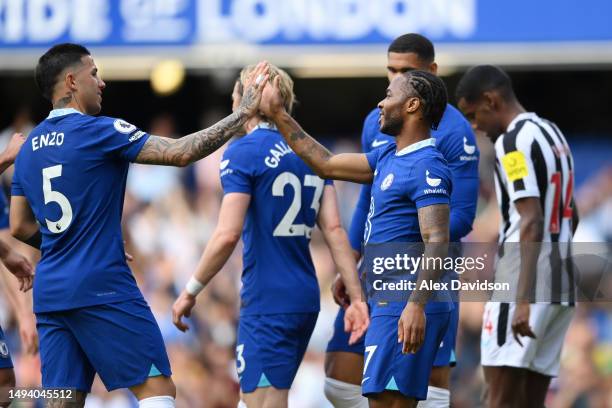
(511, 111)
(67, 101)
(253, 123)
(410, 134)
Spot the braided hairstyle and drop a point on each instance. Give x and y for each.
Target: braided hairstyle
(431, 91)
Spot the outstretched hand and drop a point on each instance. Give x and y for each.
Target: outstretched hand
(182, 307)
(253, 89)
(272, 102)
(356, 320)
(19, 266)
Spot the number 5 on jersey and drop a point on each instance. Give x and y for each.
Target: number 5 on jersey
(51, 196)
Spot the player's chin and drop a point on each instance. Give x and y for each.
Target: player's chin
(95, 108)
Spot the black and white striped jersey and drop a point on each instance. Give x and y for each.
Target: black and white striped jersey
(533, 159)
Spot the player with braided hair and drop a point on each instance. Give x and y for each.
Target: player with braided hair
(455, 139)
(403, 337)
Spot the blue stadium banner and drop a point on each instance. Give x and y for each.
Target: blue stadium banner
(38, 23)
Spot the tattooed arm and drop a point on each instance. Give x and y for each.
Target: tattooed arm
(434, 226)
(345, 166)
(193, 147)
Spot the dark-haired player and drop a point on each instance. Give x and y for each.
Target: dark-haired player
(400, 346)
(67, 199)
(455, 140)
(534, 178)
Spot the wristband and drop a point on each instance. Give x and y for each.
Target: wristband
(194, 286)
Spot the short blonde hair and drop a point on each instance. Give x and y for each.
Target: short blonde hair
(285, 83)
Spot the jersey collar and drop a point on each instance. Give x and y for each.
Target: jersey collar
(61, 112)
(416, 146)
(519, 117)
(264, 125)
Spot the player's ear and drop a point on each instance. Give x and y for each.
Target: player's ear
(70, 81)
(412, 104)
(490, 100)
(433, 68)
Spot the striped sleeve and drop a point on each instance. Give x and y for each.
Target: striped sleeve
(514, 153)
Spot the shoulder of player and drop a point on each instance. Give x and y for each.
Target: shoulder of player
(522, 133)
(430, 157)
(372, 116)
(453, 122)
(371, 132)
(244, 148)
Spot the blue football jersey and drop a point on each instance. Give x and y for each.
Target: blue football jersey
(72, 170)
(404, 181)
(278, 274)
(457, 143)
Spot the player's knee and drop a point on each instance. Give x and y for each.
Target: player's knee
(436, 398)
(440, 377)
(275, 398)
(7, 378)
(160, 386)
(160, 401)
(167, 388)
(344, 395)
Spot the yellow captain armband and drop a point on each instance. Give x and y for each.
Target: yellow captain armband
(515, 165)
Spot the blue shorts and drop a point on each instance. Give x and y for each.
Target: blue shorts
(340, 338)
(446, 353)
(270, 348)
(444, 357)
(5, 356)
(119, 341)
(386, 368)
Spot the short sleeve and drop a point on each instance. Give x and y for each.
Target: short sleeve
(514, 152)
(431, 181)
(236, 169)
(16, 189)
(373, 157)
(119, 138)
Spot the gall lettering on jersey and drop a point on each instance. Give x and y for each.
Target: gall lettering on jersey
(49, 139)
(276, 154)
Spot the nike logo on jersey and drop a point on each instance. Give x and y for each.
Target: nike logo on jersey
(469, 149)
(434, 182)
(377, 143)
(364, 380)
(223, 164)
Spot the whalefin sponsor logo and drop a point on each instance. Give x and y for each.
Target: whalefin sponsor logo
(434, 182)
(470, 150)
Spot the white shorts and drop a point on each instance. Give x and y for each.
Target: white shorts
(548, 322)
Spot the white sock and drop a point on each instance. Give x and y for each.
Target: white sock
(164, 401)
(344, 395)
(436, 398)
(241, 404)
